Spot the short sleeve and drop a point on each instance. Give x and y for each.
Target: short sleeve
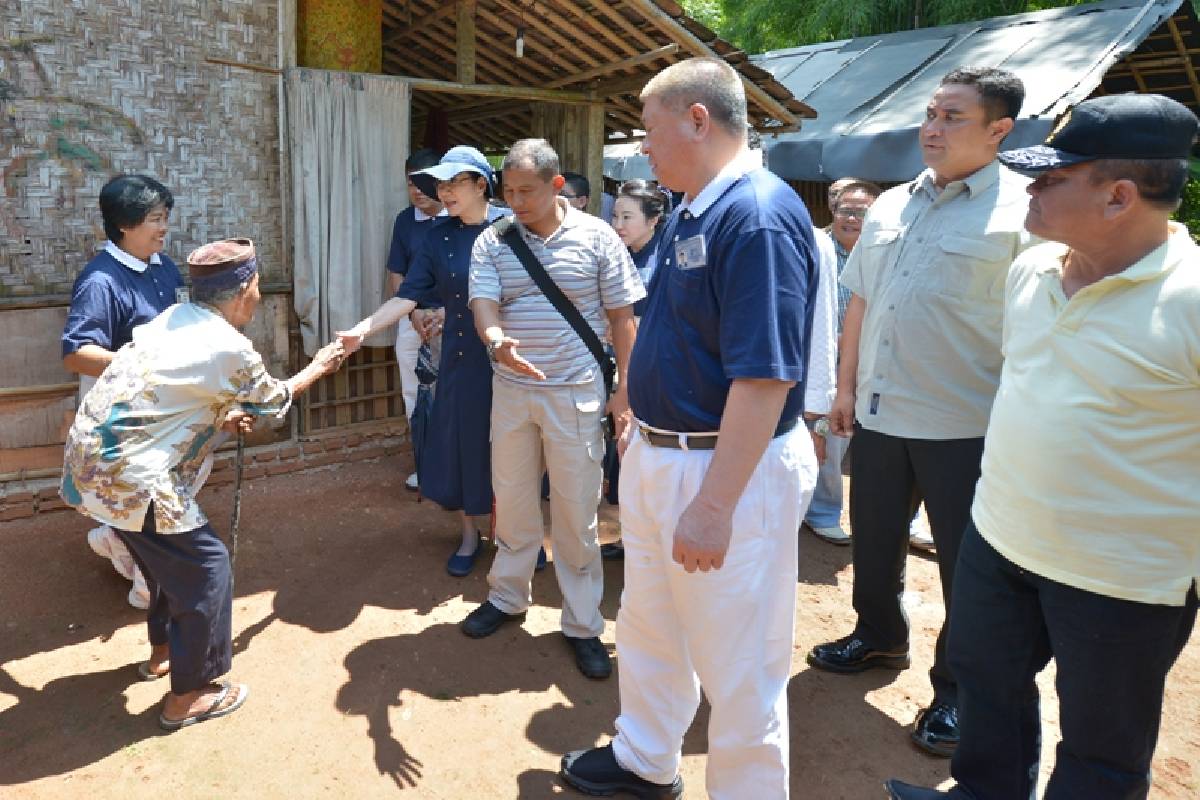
(420, 284)
(620, 284)
(93, 317)
(398, 253)
(485, 275)
(763, 290)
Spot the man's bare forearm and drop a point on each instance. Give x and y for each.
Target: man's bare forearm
(747, 426)
(91, 359)
(623, 327)
(847, 377)
(487, 319)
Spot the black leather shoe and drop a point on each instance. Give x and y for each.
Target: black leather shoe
(596, 772)
(851, 654)
(899, 790)
(485, 620)
(613, 552)
(591, 656)
(937, 730)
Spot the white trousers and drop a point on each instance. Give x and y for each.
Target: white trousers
(728, 631)
(408, 342)
(557, 430)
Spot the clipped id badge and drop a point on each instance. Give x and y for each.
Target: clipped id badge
(182, 295)
(691, 253)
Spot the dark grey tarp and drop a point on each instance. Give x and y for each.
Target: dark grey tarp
(870, 93)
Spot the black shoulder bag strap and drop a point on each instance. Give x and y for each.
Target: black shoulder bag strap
(511, 235)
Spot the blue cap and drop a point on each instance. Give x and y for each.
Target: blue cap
(462, 158)
(1117, 126)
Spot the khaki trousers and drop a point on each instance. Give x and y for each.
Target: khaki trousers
(554, 429)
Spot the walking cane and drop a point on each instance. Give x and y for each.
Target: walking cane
(237, 497)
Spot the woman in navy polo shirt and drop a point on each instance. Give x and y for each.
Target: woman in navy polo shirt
(638, 216)
(126, 284)
(456, 471)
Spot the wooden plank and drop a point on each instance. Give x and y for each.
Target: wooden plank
(595, 155)
(465, 44)
(605, 69)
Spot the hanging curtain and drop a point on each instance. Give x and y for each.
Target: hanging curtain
(348, 138)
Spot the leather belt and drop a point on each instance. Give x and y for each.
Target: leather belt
(699, 441)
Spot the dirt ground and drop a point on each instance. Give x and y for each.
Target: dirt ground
(363, 687)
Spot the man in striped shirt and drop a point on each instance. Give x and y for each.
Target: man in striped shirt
(548, 396)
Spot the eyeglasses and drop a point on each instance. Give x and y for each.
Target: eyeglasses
(456, 181)
(850, 212)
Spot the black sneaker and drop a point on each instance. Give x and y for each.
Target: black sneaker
(591, 656)
(485, 620)
(596, 772)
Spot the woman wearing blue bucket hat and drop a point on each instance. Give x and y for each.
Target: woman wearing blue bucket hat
(455, 468)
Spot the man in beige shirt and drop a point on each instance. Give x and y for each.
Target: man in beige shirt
(920, 362)
(1084, 544)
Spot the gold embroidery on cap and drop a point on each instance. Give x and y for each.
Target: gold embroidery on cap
(1062, 123)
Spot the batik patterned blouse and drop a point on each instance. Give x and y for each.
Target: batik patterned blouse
(146, 431)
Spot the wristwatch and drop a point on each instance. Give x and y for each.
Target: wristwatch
(492, 347)
(821, 427)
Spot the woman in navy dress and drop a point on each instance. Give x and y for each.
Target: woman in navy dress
(638, 216)
(455, 469)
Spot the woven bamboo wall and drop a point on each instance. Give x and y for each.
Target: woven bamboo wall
(90, 88)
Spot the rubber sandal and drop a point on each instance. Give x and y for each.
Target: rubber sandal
(145, 674)
(214, 711)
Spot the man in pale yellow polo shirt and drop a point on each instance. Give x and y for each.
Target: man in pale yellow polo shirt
(1085, 542)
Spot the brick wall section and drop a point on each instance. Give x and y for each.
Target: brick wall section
(20, 499)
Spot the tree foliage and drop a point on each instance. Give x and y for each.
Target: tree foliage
(760, 25)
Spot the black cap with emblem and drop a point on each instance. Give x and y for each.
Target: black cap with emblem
(1120, 126)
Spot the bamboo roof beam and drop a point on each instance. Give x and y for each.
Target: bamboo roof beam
(677, 32)
(619, 44)
(1187, 62)
(397, 36)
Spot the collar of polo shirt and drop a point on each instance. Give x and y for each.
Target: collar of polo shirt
(131, 261)
(729, 175)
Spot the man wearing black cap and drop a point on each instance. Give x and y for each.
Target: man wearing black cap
(138, 452)
(1083, 544)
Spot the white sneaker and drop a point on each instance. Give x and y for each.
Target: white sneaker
(833, 535)
(920, 538)
(411, 484)
(106, 545)
(139, 593)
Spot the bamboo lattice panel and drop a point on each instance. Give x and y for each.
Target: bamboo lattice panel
(91, 88)
(365, 389)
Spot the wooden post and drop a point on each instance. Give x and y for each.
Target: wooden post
(465, 33)
(594, 138)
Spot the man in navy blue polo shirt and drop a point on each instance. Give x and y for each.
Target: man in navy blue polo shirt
(717, 469)
(408, 237)
(127, 284)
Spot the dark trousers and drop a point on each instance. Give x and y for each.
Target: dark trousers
(191, 600)
(1112, 658)
(890, 477)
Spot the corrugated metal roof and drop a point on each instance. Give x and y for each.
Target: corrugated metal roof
(870, 93)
